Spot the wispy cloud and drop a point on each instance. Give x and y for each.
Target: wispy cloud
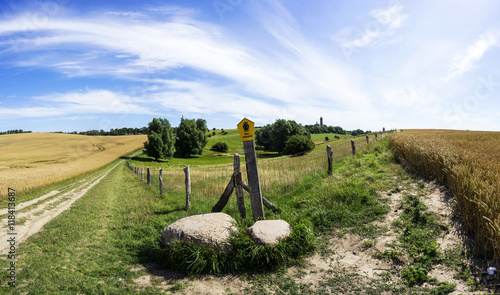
(128, 14)
(465, 61)
(94, 101)
(172, 10)
(380, 29)
(273, 59)
(30, 112)
(240, 75)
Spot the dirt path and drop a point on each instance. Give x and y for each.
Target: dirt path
(32, 215)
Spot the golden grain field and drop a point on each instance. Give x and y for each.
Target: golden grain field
(468, 163)
(31, 160)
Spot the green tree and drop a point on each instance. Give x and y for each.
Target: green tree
(191, 137)
(298, 144)
(274, 137)
(357, 132)
(161, 140)
(264, 137)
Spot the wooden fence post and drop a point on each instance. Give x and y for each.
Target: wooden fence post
(353, 145)
(253, 180)
(225, 196)
(238, 185)
(367, 139)
(148, 176)
(246, 129)
(142, 173)
(161, 181)
(329, 154)
(188, 187)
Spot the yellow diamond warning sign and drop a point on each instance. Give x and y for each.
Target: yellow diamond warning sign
(245, 127)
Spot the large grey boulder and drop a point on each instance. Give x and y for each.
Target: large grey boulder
(270, 232)
(211, 230)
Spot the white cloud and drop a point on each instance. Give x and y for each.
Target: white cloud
(31, 112)
(269, 64)
(292, 72)
(379, 30)
(127, 14)
(172, 10)
(465, 61)
(94, 101)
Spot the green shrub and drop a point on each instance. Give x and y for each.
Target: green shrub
(298, 144)
(220, 147)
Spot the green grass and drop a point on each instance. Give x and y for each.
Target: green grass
(331, 204)
(99, 246)
(331, 137)
(235, 145)
(232, 139)
(116, 226)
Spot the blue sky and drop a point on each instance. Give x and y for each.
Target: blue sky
(68, 65)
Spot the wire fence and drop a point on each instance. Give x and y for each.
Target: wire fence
(279, 175)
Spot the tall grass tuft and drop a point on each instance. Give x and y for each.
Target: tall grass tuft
(245, 255)
(468, 163)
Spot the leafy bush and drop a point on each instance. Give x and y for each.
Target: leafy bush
(220, 147)
(298, 144)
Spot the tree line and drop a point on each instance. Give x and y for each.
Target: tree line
(115, 132)
(316, 129)
(16, 131)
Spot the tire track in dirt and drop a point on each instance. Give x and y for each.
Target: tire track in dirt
(36, 221)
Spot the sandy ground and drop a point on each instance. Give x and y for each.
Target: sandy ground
(37, 212)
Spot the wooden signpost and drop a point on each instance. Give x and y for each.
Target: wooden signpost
(246, 129)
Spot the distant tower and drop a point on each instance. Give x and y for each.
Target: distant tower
(321, 121)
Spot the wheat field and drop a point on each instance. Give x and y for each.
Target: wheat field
(468, 163)
(32, 160)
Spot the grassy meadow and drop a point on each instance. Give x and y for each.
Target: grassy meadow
(211, 172)
(30, 160)
(235, 146)
(101, 245)
(109, 241)
(468, 163)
